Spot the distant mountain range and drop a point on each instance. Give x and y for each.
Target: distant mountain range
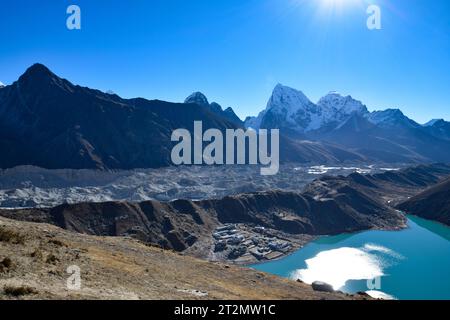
(387, 136)
(49, 122)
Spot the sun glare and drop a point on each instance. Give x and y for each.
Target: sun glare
(337, 3)
(328, 7)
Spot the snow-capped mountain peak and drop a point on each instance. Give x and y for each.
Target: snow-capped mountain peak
(390, 117)
(292, 100)
(289, 108)
(345, 105)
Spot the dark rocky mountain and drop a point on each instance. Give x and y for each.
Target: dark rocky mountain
(432, 204)
(229, 114)
(49, 122)
(307, 151)
(421, 176)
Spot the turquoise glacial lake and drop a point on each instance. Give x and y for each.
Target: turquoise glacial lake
(410, 264)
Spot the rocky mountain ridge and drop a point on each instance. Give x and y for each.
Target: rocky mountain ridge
(431, 204)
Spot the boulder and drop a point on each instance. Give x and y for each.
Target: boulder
(322, 286)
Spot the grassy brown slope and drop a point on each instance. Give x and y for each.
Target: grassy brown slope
(37, 256)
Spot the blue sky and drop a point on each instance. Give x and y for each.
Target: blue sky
(236, 51)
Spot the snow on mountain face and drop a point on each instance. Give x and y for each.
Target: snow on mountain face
(391, 117)
(288, 107)
(289, 101)
(1, 85)
(197, 98)
(385, 116)
(344, 105)
(254, 122)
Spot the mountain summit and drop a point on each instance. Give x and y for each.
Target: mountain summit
(336, 103)
(197, 98)
(390, 118)
(432, 122)
(200, 99)
(37, 72)
(291, 110)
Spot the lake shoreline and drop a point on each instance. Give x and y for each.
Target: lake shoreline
(315, 238)
(415, 252)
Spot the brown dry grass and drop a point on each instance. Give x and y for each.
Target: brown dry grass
(121, 268)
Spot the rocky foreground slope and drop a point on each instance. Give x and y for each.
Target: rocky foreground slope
(432, 204)
(34, 259)
(136, 263)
